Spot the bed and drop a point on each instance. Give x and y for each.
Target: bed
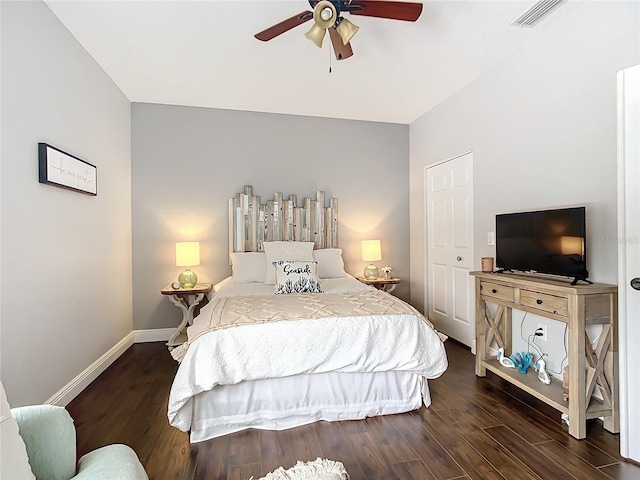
(292, 339)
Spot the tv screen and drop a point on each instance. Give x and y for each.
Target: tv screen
(545, 241)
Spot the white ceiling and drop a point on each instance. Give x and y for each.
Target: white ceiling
(203, 53)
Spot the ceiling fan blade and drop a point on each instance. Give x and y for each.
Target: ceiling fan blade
(284, 26)
(342, 51)
(407, 11)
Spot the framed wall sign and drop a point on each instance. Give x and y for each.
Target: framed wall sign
(66, 171)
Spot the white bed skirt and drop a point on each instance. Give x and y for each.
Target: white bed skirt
(281, 403)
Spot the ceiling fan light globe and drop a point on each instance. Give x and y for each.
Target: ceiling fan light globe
(316, 35)
(324, 14)
(346, 30)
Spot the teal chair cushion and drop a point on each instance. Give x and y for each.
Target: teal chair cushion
(50, 437)
(110, 462)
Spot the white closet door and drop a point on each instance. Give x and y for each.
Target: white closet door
(449, 210)
(629, 259)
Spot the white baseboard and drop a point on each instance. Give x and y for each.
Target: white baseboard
(72, 389)
(154, 335)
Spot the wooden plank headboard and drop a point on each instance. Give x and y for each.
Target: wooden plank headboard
(251, 223)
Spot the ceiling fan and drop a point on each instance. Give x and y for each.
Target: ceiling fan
(327, 16)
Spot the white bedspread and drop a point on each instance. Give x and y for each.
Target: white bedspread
(371, 343)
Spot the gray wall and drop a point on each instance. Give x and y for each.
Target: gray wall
(186, 163)
(542, 128)
(66, 257)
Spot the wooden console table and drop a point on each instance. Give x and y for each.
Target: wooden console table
(576, 305)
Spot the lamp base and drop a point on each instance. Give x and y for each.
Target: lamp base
(187, 279)
(371, 272)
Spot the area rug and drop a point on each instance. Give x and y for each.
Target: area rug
(318, 469)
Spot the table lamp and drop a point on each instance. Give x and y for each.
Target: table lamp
(371, 253)
(187, 255)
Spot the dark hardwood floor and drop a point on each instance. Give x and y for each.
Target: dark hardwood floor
(476, 428)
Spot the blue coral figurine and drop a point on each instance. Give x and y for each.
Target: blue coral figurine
(523, 361)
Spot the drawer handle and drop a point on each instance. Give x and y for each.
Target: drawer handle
(494, 291)
(539, 302)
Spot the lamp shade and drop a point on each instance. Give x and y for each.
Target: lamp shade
(316, 35)
(371, 251)
(187, 254)
(346, 30)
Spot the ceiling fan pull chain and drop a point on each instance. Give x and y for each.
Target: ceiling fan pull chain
(329, 58)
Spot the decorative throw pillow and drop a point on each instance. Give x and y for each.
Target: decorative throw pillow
(249, 267)
(330, 263)
(295, 251)
(296, 277)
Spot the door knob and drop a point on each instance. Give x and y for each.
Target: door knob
(635, 283)
(459, 259)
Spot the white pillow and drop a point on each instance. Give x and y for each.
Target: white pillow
(249, 267)
(296, 277)
(330, 263)
(14, 462)
(294, 251)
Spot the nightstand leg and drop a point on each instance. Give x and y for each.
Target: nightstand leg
(187, 307)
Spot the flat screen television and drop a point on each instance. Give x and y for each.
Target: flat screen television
(545, 241)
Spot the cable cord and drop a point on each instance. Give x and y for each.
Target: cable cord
(529, 341)
(521, 327)
(533, 344)
(536, 346)
(566, 352)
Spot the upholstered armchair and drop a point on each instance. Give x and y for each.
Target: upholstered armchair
(49, 436)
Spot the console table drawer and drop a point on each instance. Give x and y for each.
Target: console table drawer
(497, 291)
(542, 301)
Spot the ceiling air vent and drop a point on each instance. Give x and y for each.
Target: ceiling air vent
(536, 12)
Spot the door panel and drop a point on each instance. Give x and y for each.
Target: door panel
(461, 214)
(460, 177)
(439, 183)
(438, 213)
(461, 286)
(439, 298)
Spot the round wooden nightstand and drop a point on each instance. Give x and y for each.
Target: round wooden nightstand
(382, 283)
(186, 299)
